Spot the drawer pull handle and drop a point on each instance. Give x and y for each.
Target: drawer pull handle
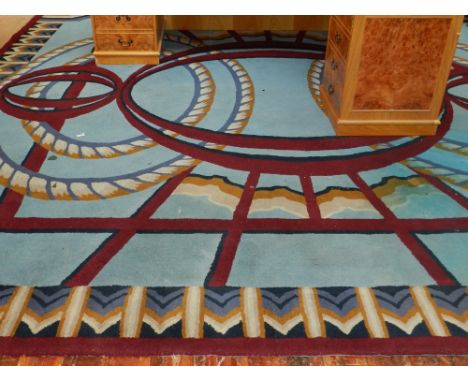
(337, 37)
(330, 89)
(334, 64)
(126, 44)
(118, 18)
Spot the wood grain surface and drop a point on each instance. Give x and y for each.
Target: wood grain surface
(211, 360)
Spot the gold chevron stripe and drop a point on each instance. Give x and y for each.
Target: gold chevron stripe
(100, 326)
(388, 313)
(462, 323)
(406, 323)
(37, 325)
(348, 316)
(346, 326)
(216, 317)
(284, 327)
(282, 320)
(100, 318)
(159, 326)
(222, 326)
(37, 317)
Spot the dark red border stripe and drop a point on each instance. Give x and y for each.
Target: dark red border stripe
(233, 346)
(95, 224)
(101, 257)
(13, 39)
(224, 261)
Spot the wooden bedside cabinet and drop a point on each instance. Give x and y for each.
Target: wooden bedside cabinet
(127, 39)
(387, 75)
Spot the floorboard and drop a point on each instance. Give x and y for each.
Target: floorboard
(210, 360)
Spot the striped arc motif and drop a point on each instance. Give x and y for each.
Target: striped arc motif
(28, 66)
(33, 184)
(314, 75)
(316, 310)
(47, 137)
(28, 44)
(452, 176)
(458, 59)
(53, 141)
(453, 147)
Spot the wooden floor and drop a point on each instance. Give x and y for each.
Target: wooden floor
(236, 361)
(9, 26)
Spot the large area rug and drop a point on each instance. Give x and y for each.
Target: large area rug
(205, 205)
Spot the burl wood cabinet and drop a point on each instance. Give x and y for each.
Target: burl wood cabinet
(127, 39)
(387, 75)
(383, 75)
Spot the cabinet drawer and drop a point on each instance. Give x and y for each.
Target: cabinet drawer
(347, 22)
(334, 64)
(124, 41)
(334, 89)
(339, 37)
(123, 22)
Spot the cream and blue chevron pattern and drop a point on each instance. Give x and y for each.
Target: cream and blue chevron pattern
(195, 312)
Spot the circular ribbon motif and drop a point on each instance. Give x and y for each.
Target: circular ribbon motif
(46, 136)
(42, 186)
(157, 128)
(71, 106)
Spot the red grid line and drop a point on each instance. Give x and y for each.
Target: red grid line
(127, 227)
(426, 259)
(441, 186)
(11, 201)
(99, 259)
(224, 261)
(311, 201)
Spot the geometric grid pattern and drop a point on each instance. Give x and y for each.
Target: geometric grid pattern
(265, 184)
